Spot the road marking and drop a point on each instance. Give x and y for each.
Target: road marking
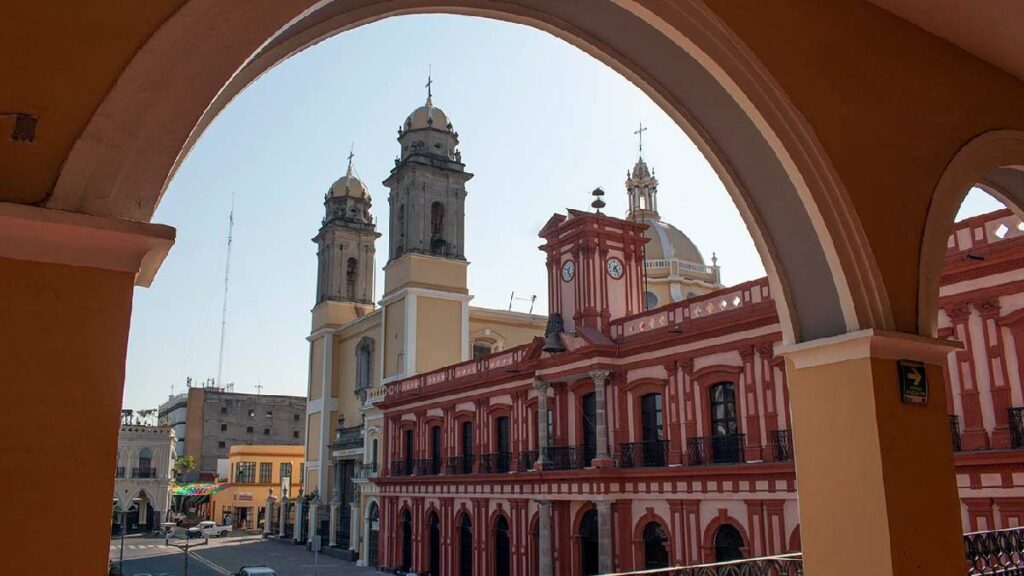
(212, 564)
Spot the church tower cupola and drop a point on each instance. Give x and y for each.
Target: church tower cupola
(346, 242)
(428, 187)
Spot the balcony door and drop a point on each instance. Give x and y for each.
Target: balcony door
(435, 450)
(409, 456)
(725, 444)
(589, 408)
(502, 444)
(652, 426)
(467, 447)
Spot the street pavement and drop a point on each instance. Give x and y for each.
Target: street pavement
(225, 556)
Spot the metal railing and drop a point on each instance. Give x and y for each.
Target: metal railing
(954, 432)
(563, 458)
(996, 552)
(119, 472)
(781, 444)
(526, 460)
(724, 449)
(495, 463)
(782, 565)
(460, 464)
(402, 467)
(143, 472)
(643, 454)
(368, 470)
(1017, 427)
(428, 467)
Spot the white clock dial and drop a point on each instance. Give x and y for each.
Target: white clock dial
(568, 270)
(615, 268)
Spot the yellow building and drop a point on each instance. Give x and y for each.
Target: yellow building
(255, 472)
(423, 322)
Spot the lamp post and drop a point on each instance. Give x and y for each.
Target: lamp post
(124, 522)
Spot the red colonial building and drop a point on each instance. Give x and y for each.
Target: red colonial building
(630, 439)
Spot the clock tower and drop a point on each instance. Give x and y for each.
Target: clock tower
(595, 272)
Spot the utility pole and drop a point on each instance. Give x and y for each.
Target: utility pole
(227, 273)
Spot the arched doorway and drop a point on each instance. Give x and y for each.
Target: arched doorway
(465, 546)
(434, 544)
(655, 546)
(588, 543)
(502, 557)
(728, 544)
(372, 534)
(406, 523)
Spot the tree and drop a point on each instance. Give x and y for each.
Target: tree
(184, 464)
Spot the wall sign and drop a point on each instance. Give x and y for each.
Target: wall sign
(913, 382)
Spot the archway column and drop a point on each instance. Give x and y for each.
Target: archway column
(877, 489)
(544, 558)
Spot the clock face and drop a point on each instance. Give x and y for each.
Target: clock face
(615, 268)
(568, 270)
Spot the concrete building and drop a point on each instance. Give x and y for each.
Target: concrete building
(145, 466)
(256, 473)
(215, 420)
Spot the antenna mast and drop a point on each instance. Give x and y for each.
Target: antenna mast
(227, 273)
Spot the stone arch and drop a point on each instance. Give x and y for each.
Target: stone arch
(708, 543)
(794, 540)
(638, 537)
(821, 268)
(993, 161)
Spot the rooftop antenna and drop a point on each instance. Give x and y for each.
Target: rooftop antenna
(532, 300)
(259, 389)
(227, 274)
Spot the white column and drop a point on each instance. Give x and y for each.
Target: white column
(604, 536)
(333, 537)
(354, 527)
(267, 515)
(326, 423)
(544, 536)
(297, 527)
(282, 517)
(602, 459)
(542, 424)
(314, 510)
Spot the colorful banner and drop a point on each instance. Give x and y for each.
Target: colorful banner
(198, 488)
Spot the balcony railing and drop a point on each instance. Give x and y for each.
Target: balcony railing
(724, 449)
(368, 470)
(643, 454)
(119, 472)
(782, 565)
(402, 467)
(997, 552)
(428, 467)
(563, 457)
(781, 444)
(954, 432)
(460, 464)
(496, 463)
(1017, 427)
(143, 472)
(526, 460)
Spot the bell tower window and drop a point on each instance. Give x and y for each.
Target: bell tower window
(351, 272)
(437, 240)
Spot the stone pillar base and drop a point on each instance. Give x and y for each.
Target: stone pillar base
(1001, 438)
(975, 440)
(602, 463)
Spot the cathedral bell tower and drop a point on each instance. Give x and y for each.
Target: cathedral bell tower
(594, 266)
(345, 250)
(426, 300)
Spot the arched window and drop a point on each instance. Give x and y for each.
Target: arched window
(351, 273)
(465, 546)
(728, 544)
(145, 463)
(502, 560)
(655, 548)
(373, 533)
(434, 555)
(725, 441)
(588, 543)
(400, 232)
(406, 541)
(650, 300)
(438, 245)
(364, 364)
(482, 348)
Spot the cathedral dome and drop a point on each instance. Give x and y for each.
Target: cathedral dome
(349, 185)
(666, 242)
(427, 116)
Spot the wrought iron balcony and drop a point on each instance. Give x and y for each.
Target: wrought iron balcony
(997, 552)
(495, 463)
(402, 467)
(144, 472)
(348, 438)
(564, 457)
(643, 454)
(954, 432)
(428, 467)
(119, 472)
(526, 460)
(1017, 427)
(368, 470)
(460, 464)
(782, 565)
(781, 444)
(723, 449)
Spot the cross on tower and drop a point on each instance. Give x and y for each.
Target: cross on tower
(351, 153)
(429, 82)
(259, 388)
(640, 135)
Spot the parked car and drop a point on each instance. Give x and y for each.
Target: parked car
(209, 529)
(256, 571)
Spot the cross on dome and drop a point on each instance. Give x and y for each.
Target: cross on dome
(640, 134)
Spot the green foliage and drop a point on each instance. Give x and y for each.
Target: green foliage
(185, 464)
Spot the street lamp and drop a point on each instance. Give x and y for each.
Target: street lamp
(124, 522)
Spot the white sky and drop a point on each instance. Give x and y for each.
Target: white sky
(540, 123)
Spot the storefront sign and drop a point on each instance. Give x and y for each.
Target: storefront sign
(913, 382)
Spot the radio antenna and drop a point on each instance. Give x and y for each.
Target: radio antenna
(227, 275)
